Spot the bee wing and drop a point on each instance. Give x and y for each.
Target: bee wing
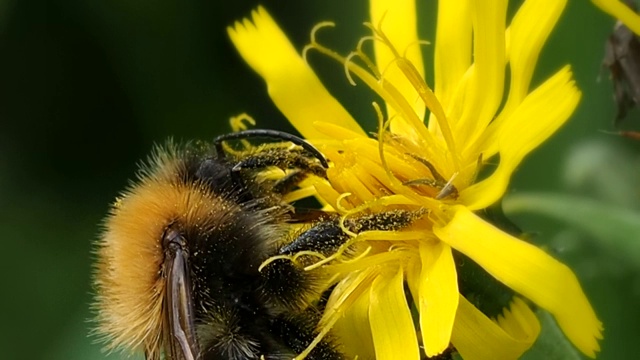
(181, 342)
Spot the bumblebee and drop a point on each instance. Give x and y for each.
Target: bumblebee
(178, 271)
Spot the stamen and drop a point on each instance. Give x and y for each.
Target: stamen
(335, 256)
(320, 263)
(339, 207)
(424, 181)
(381, 87)
(357, 258)
(395, 98)
(374, 261)
(395, 182)
(431, 101)
(402, 247)
(364, 57)
(311, 45)
(448, 189)
(471, 176)
(417, 42)
(347, 73)
(315, 45)
(425, 92)
(344, 228)
(272, 259)
(293, 258)
(370, 64)
(307, 253)
(239, 123)
(382, 128)
(429, 165)
(319, 26)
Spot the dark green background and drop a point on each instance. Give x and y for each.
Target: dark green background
(87, 87)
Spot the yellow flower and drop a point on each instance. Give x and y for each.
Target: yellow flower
(429, 163)
(619, 10)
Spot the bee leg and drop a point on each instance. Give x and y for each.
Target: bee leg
(299, 330)
(327, 236)
(289, 182)
(283, 158)
(271, 134)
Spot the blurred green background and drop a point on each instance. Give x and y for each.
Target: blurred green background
(87, 87)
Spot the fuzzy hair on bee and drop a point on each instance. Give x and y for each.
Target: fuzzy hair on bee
(178, 272)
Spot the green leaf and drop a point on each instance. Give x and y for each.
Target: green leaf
(616, 229)
(551, 344)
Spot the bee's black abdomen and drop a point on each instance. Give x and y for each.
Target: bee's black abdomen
(298, 331)
(244, 335)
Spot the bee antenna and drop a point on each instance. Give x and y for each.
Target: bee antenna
(271, 134)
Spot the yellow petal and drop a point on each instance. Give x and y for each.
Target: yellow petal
(293, 86)
(344, 178)
(520, 322)
(476, 337)
(438, 296)
(620, 11)
(394, 336)
(487, 83)
(326, 194)
(412, 277)
(354, 331)
(347, 292)
(538, 117)
(335, 131)
(529, 271)
(529, 30)
(397, 20)
(452, 49)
